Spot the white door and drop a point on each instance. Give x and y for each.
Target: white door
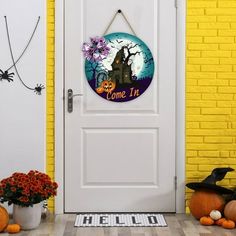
(120, 157)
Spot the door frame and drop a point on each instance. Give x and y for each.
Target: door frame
(180, 104)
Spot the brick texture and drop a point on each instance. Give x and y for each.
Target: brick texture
(210, 89)
(50, 94)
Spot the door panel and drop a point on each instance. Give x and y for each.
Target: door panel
(120, 156)
(113, 168)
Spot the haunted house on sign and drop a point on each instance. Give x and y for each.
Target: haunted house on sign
(121, 72)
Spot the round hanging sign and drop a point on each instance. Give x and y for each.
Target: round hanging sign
(119, 67)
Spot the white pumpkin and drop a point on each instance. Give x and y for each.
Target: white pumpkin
(215, 215)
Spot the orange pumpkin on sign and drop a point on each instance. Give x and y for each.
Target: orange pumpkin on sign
(106, 86)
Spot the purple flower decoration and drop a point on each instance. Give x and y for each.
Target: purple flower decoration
(96, 50)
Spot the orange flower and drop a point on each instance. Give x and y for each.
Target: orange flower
(20, 184)
(27, 189)
(13, 189)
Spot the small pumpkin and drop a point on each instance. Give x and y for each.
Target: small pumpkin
(13, 228)
(230, 210)
(228, 224)
(99, 90)
(206, 220)
(220, 221)
(4, 218)
(106, 86)
(215, 215)
(203, 202)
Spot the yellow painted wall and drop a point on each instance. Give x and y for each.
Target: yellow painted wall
(211, 89)
(50, 93)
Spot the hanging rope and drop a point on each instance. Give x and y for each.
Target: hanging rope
(38, 87)
(125, 18)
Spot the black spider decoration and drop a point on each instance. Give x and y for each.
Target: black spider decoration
(8, 76)
(39, 88)
(5, 75)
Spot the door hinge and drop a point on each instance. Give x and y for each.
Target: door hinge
(175, 182)
(176, 3)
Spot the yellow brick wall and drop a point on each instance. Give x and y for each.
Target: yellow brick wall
(50, 94)
(210, 89)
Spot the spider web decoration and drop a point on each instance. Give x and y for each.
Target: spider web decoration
(5, 75)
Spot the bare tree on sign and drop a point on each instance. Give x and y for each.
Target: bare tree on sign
(94, 69)
(128, 48)
(148, 59)
(121, 72)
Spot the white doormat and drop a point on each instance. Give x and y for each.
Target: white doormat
(120, 220)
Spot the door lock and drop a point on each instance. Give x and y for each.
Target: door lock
(70, 97)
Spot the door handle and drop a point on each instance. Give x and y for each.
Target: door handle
(70, 97)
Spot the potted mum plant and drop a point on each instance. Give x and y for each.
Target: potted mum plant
(26, 191)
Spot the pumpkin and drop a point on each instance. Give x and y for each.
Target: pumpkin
(206, 220)
(99, 90)
(228, 224)
(202, 202)
(215, 215)
(106, 86)
(220, 221)
(4, 218)
(13, 228)
(230, 210)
